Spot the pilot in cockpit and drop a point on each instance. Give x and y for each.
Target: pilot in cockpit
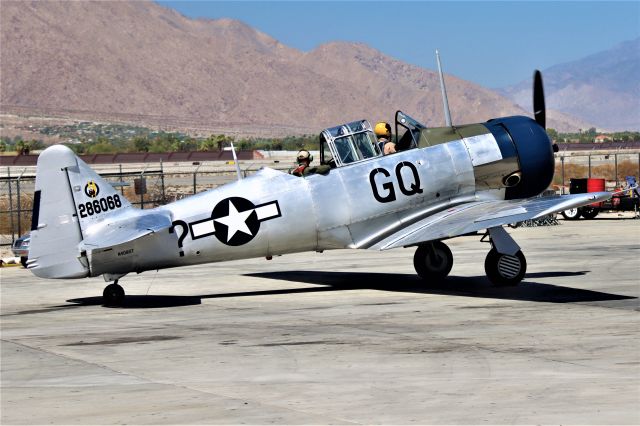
(304, 159)
(385, 142)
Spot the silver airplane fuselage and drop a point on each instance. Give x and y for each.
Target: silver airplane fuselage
(273, 213)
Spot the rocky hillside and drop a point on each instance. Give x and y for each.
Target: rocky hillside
(603, 88)
(140, 62)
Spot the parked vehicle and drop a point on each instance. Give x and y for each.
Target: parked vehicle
(625, 199)
(20, 248)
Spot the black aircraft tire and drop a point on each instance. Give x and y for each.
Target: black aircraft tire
(431, 268)
(589, 212)
(23, 261)
(113, 295)
(504, 270)
(571, 214)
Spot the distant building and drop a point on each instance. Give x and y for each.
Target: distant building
(602, 138)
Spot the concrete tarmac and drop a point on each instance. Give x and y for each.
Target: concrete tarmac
(343, 337)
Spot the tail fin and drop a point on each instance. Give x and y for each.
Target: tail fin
(69, 198)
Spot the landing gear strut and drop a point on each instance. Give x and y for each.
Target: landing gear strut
(433, 261)
(113, 295)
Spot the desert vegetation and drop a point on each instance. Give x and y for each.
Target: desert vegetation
(603, 171)
(87, 138)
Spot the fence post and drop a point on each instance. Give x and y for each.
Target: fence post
(164, 198)
(562, 161)
(615, 159)
(194, 178)
(589, 166)
(142, 185)
(13, 238)
(121, 181)
(19, 203)
(141, 194)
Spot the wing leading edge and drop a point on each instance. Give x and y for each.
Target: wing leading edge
(477, 215)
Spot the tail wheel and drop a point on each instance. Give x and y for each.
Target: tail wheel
(433, 261)
(113, 295)
(505, 269)
(571, 214)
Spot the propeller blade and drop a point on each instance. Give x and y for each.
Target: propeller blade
(539, 110)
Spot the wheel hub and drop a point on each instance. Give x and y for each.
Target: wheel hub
(436, 261)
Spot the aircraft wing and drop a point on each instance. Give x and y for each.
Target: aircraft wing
(126, 229)
(477, 215)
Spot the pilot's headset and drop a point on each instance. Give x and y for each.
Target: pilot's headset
(304, 155)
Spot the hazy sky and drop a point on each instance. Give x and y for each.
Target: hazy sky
(491, 43)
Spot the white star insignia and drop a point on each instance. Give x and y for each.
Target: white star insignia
(235, 221)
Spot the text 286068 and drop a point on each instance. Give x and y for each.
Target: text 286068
(101, 205)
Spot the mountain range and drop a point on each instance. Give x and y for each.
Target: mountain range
(143, 63)
(603, 88)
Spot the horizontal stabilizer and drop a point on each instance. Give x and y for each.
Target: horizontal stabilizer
(127, 229)
(131, 243)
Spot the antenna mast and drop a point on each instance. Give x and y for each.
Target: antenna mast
(235, 160)
(445, 100)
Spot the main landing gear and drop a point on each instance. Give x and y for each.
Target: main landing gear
(433, 261)
(505, 265)
(504, 269)
(113, 295)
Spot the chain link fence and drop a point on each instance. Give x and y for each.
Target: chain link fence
(612, 167)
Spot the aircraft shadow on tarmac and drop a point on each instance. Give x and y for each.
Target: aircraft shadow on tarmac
(477, 286)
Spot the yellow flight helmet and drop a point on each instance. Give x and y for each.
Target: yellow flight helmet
(382, 129)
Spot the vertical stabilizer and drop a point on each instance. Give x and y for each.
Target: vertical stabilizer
(69, 197)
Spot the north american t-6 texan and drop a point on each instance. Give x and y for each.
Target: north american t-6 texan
(441, 183)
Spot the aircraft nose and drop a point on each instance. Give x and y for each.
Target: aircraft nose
(535, 155)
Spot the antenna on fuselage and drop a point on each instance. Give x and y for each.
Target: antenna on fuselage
(445, 100)
(235, 160)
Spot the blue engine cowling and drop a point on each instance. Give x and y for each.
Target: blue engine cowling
(534, 150)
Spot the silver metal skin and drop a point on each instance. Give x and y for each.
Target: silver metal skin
(367, 202)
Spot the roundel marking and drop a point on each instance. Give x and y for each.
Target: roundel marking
(235, 221)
